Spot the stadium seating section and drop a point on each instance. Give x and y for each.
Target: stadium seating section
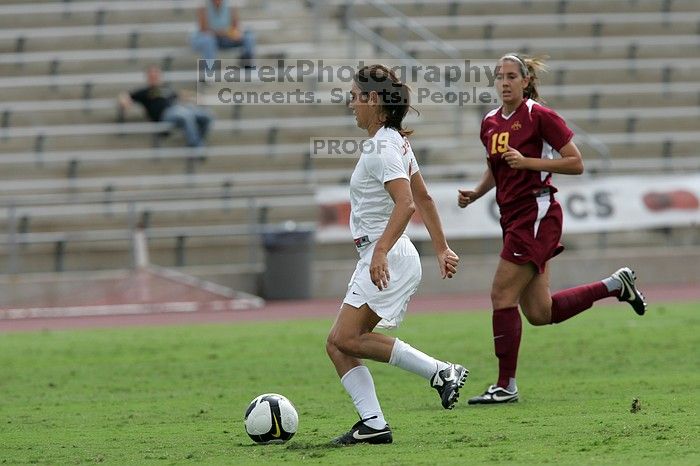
(76, 178)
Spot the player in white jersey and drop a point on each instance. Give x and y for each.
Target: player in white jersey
(386, 188)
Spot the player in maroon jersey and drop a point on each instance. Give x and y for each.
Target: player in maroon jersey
(525, 143)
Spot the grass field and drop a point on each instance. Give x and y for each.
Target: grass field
(177, 394)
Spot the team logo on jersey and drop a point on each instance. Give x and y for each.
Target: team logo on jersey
(516, 126)
(406, 146)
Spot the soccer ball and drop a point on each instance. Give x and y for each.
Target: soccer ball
(271, 418)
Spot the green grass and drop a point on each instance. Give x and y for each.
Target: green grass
(177, 394)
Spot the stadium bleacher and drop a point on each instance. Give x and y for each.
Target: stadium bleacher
(111, 227)
(623, 71)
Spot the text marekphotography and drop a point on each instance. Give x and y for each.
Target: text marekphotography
(328, 82)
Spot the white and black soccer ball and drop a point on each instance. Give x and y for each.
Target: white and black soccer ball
(271, 418)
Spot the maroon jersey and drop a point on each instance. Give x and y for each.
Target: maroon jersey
(537, 132)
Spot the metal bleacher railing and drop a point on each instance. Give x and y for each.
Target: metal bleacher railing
(132, 211)
(271, 151)
(430, 41)
(554, 6)
(55, 58)
(597, 22)
(126, 200)
(68, 7)
(121, 190)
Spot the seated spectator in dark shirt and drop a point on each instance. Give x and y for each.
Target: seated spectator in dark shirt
(162, 103)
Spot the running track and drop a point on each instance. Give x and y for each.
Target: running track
(292, 310)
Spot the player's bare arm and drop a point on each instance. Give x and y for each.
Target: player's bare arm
(570, 162)
(447, 259)
(404, 207)
(487, 183)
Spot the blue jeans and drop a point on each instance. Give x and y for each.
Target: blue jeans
(208, 44)
(193, 120)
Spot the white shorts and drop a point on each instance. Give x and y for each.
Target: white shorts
(404, 277)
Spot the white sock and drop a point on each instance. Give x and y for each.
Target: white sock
(512, 387)
(612, 283)
(360, 386)
(410, 359)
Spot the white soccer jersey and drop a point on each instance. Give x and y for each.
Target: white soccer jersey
(388, 157)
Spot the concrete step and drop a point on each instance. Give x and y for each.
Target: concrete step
(508, 7)
(135, 34)
(29, 113)
(639, 125)
(86, 13)
(85, 217)
(551, 30)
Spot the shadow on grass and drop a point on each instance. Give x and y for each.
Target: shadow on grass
(310, 449)
(312, 446)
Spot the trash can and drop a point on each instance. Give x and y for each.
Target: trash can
(288, 257)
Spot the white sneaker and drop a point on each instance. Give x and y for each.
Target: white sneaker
(494, 395)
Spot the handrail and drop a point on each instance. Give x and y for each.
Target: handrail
(471, 2)
(17, 107)
(80, 79)
(107, 6)
(257, 226)
(199, 206)
(578, 42)
(152, 233)
(359, 29)
(330, 176)
(123, 29)
(144, 53)
(552, 19)
(417, 28)
(221, 194)
(147, 127)
(440, 45)
(273, 151)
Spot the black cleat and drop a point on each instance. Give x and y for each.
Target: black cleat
(629, 292)
(494, 395)
(362, 433)
(447, 382)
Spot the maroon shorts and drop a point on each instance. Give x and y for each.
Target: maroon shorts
(532, 231)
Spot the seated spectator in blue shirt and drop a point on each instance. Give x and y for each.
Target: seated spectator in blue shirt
(162, 103)
(219, 29)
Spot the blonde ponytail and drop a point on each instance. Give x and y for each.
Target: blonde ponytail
(534, 65)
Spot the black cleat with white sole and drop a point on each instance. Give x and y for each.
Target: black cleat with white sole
(495, 395)
(362, 433)
(447, 382)
(629, 292)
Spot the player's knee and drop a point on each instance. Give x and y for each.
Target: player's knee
(500, 299)
(342, 342)
(495, 297)
(537, 318)
(349, 346)
(331, 349)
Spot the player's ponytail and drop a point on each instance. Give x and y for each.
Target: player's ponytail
(534, 66)
(394, 96)
(529, 67)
